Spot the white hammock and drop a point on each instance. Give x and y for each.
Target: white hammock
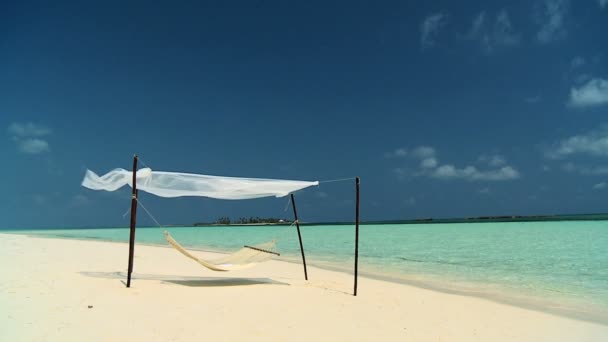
(246, 257)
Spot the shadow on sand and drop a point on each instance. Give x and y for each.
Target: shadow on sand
(186, 281)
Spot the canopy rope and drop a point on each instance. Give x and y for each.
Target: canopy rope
(149, 214)
(338, 180)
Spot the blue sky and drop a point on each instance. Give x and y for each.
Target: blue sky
(443, 109)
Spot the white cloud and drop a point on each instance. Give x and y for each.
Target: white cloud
(602, 3)
(533, 99)
(478, 25)
(585, 170)
(321, 194)
(430, 28)
(39, 199)
(594, 143)
(446, 171)
(591, 94)
(582, 78)
(79, 200)
(28, 135)
(423, 152)
(492, 36)
(552, 21)
(600, 185)
(33, 146)
(503, 30)
(28, 129)
(402, 172)
(484, 191)
(410, 201)
(597, 170)
(399, 152)
(471, 173)
(429, 167)
(492, 160)
(428, 163)
(577, 61)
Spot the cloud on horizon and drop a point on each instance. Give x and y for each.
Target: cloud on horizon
(28, 129)
(79, 200)
(471, 173)
(577, 61)
(533, 99)
(429, 29)
(492, 160)
(423, 152)
(397, 153)
(593, 143)
(552, 21)
(321, 194)
(585, 170)
(591, 94)
(428, 163)
(33, 146)
(484, 191)
(417, 152)
(430, 167)
(28, 135)
(494, 35)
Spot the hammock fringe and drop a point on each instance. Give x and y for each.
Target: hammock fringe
(246, 257)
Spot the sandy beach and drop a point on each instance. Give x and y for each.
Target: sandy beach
(71, 290)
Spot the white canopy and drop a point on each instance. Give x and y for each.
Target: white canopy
(176, 184)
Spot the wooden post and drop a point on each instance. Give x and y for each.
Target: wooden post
(295, 215)
(133, 221)
(356, 236)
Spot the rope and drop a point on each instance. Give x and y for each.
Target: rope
(147, 212)
(282, 233)
(337, 180)
(262, 250)
(143, 162)
(126, 212)
(161, 226)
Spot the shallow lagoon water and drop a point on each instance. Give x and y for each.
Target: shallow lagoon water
(560, 265)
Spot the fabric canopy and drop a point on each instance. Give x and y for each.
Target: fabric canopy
(176, 184)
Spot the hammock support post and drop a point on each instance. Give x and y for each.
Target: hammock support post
(356, 234)
(133, 221)
(295, 215)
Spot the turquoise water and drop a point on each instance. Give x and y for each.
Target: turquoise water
(560, 266)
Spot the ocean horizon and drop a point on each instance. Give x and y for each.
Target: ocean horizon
(555, 266)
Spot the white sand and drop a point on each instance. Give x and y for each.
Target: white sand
(46, 286)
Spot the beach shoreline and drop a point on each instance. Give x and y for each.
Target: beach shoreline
(512, 297)
(49, 284)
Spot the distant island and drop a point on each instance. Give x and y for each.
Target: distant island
(481, 219)
(241, 221)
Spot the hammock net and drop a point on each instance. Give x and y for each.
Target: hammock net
(246, 257)
(177, 184)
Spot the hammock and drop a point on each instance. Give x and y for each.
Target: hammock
(246, 257)
(179, 184)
